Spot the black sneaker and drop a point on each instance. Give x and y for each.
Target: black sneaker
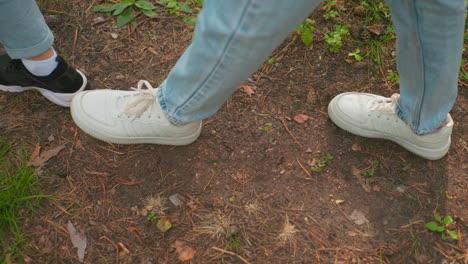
(59, 87)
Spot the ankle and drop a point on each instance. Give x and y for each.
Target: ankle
(42, 65)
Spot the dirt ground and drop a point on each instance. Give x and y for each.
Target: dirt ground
(245, 189)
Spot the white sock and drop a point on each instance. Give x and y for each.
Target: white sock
(41, 68)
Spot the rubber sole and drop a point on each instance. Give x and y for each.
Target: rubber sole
(62, 99)
(431, 154)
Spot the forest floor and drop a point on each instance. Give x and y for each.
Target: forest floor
(244, 192)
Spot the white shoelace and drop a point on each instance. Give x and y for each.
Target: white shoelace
(385, 106)
(145, 100)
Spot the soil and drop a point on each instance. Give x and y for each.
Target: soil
(245, 185)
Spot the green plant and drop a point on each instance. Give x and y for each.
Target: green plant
(393, 77)
(19, 192)
(370, 173)
(442, 227)
(335, 38)
(151, 217)
(321, 163)
(174, 6)
(305, 30)
(330, 15)
(125, 9)
(355, 55)
(267, 127)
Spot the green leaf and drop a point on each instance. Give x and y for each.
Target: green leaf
(172, 4)
(189, 20)
(306, 36)
(447, 220)
(440, 229)
(443, 236)
(437, 217)
(103, 8)
(163, 224)
(142, 4)
(149, 13)
(124, 17)
(185, 7)
(432, 226)
(453, 235)
(120, 7)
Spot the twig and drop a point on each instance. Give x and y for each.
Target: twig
(289, 132)
(308, 173)
(74, 41)
(115, 246)
(232, 254)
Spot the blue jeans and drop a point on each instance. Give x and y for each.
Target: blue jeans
(23, 31)
(234, 37)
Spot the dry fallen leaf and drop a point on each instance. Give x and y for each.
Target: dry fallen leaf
(375, 29)
(39, 159)
(339, 201)
(163, 224)
(247, 89)
(358, 217)
(185, 252)
(300, 118)
(35, 152)
(78, 240)
(356, 147)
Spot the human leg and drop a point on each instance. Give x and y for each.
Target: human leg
(34, 65)
(232, 39)
(429, 45)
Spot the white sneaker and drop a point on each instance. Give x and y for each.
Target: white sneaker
(374, 116)
(129, 117)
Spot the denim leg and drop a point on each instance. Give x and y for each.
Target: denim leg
(23, 31)
(429, 48)
(232, 39)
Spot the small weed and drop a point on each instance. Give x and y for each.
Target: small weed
(370, 173)
(321, 163)
(151, 217)
(177, 8)
(125, 9)
(155, 204)
(287, 234)
(393, 77)
(335, 38)
(442, 227)
(18, 192)
(271, 60)
(305, 30)
(330, 15)
(234, 242)
(355, 55)
(267, 127)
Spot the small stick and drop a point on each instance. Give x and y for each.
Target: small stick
(232, 254)
(74, 41)
(308, 173)
(289, 132)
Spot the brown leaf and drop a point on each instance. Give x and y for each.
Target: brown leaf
(35, 152)
(185, 252)
(375, 29)
(40, 159)
(300, 118)
(247, 89)
(78, 240)
(355, 147)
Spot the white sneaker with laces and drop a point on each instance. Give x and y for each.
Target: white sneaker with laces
(374, 116)
(129, 117)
